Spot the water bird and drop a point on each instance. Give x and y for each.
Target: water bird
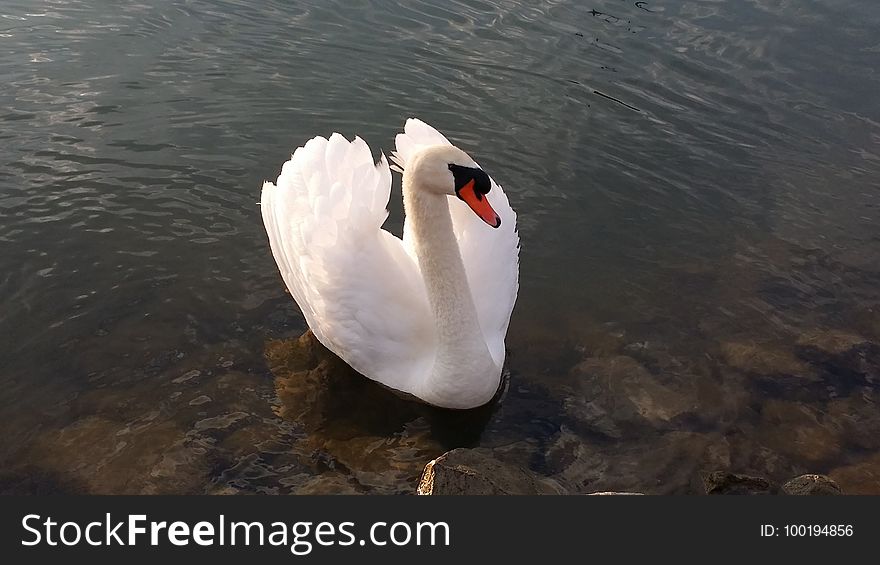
(425, 314)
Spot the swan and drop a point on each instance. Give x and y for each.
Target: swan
(426, 314)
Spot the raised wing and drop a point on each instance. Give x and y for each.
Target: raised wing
(490, 256)
(359, 290)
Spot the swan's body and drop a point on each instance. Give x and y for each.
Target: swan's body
(426, 315)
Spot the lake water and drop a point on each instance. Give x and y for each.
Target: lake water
(698, 195)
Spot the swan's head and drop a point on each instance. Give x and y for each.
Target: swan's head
(447, 170)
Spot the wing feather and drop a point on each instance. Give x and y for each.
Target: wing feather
(358, 289)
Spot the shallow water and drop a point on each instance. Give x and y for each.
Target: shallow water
(697, 192)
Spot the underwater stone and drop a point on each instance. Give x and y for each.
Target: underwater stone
(752, 358)
(476, 471)
(723, 482)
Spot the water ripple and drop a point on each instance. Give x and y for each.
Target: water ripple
(683, 172)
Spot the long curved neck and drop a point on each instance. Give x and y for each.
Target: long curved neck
(462, 353)
(441, 265)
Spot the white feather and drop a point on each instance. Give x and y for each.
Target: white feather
(358, 286)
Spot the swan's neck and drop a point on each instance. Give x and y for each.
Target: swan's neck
(463, 366)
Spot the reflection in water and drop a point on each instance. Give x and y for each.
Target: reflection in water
(355, 427)
(698, 281)
(306, 375)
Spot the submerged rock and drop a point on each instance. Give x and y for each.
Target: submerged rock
(859, 478)
(348, 424)
(831, 342)
(599, 340)
(657, 464)
(477, 471)
(762, 359)
(811, 485)
(859, 417)
(97, 455)
(724, 482)
(798, 431)
(847, 358)
(751, 457)
(616, 395)
(579, 465)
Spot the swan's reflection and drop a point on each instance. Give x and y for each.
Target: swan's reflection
(356, 427)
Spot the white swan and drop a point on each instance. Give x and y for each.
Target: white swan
(425, 315)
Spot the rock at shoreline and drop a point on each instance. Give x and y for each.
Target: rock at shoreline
(723, 482)
(476, 471)
(811, 485)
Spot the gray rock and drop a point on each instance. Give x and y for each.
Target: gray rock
(477, 471)
(811, 485)
(723, 482)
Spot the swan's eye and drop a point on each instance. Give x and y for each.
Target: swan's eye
(463, 175)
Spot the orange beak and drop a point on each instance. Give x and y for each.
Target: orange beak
(479, 204)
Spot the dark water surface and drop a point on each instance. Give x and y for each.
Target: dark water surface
(697, 189)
